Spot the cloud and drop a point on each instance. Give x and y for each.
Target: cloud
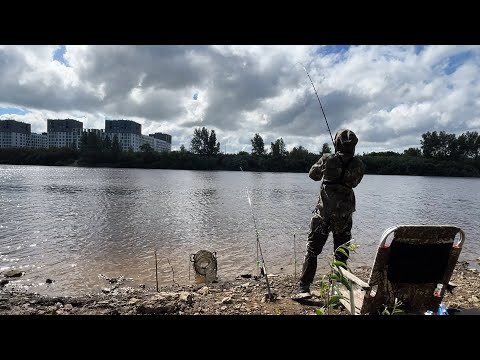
(389, 95)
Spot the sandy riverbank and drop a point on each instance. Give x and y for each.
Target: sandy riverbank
(242, 296)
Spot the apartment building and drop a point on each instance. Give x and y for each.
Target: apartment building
(162, 142)
(14, 134)
(64, 132)
(68, 133)
(39, 141)
(129, 133)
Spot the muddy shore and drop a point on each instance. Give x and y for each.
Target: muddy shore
(241, 296)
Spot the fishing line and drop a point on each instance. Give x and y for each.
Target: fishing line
(259, 248)
(318, 98)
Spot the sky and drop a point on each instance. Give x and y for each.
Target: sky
(389, 95)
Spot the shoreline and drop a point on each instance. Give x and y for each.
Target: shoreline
(242, 296)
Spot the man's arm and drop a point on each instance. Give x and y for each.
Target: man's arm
(358, 173)
(316, 171)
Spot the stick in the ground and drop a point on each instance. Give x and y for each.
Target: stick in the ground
(295, 257)
(173, 272)
(156, 268)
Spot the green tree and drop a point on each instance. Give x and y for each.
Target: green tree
(146, 148)
(107, 143)
(326, 149)
(213, 147)
(91, 148)
(200, 137)
(299, 153)
(204, 143)
(413, 152)
(83, 141)
(278, 148)
(429, 144)
(90, 143)
(258, 146)
(468, 145)
(439, 145)
(182, 149)
(116, 149)
(448, 142)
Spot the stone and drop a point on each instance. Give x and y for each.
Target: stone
(227, 300)
(133, 301)
(203, 290)
(13, 273)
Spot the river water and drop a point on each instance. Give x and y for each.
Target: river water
(72, 224)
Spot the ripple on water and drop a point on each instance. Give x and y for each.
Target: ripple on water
(72, 224)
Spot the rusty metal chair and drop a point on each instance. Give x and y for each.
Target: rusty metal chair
(415, 268)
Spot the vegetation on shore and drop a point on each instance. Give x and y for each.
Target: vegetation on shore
(440, 154)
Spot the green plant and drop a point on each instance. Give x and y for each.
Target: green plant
(324, 286)
(329, 289)
(320, 311)
(393, 310)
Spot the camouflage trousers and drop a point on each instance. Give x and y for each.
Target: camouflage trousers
(320, 227)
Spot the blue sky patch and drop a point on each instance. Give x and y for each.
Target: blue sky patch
(58, 55)
(419, 49)
(12, 110)
(455, 61)
(331, 49)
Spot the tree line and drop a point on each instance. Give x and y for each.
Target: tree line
(447, 146)
(439, 154)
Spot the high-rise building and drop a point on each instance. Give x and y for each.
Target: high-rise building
(64, 132)
(162, 142)
(39, 141)
(68, 133)
(14, 134)
(129, 133)
(100, 133)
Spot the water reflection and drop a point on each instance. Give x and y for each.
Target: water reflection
(62, 189)
(72, 224)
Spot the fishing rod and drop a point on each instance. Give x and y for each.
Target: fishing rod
(259, 248)
(318, 98)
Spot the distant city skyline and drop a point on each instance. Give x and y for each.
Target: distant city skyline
(388, 95)
(68, 133)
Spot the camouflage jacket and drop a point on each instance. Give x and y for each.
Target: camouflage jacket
(339, 174)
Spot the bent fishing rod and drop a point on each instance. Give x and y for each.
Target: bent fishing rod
(318, 98)
(259, 248)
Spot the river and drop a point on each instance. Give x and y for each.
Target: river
(71, 224)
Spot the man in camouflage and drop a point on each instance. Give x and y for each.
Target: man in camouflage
(340, 173)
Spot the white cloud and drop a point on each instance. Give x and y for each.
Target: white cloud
(389, 95)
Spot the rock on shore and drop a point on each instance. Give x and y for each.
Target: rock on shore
(242, 296)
